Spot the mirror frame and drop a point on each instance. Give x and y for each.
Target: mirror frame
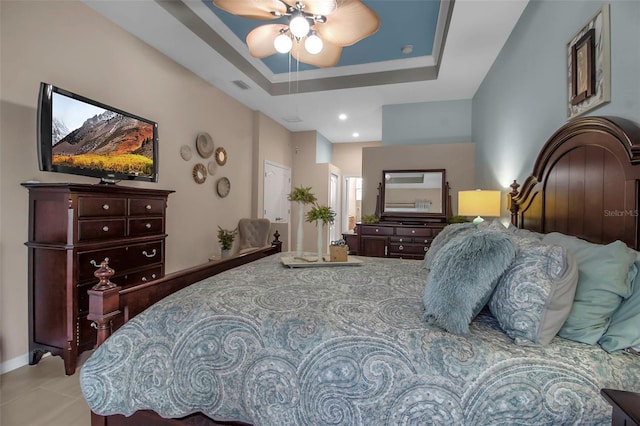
(401, 216)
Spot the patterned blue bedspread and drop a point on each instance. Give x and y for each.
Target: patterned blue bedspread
(346, 345)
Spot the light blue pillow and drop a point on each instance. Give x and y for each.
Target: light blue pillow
(464, 273)
(624, 329)
(447, 233)
(533, 297)
(606, 273)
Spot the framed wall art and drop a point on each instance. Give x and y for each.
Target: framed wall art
(589, 65)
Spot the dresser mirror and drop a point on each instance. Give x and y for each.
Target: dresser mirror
(413, 195)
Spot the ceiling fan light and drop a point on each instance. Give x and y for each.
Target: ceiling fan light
(283, 43)
(299, 25)
(313, 44)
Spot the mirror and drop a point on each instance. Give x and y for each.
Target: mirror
(413, 194)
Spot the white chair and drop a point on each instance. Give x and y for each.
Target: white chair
(253, 234)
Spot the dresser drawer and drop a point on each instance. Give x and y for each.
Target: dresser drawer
(101, 229)
(121, 259)
(414, 232)
(408, 248)
(376, 230)
(101, 206)
(138, 227)
(400, 240)
(144, 254)
(146, 206)
(123, 280)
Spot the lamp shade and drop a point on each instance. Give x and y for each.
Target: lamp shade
(479, 203)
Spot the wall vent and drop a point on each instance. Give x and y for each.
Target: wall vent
(241, 84)
(295, 119)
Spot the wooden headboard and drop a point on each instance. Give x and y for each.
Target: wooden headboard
(585, 183)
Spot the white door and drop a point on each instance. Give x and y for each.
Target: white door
(334, 234)
(277, 186)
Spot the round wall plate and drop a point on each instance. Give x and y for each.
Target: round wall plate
(199, 173)
(185, 152)
(223, 186)
(221, 156)
(212, 167)
(204, 144)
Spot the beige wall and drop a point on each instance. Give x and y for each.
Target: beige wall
(272, 143)
(458, 159)
(71, 46)
(348, 156)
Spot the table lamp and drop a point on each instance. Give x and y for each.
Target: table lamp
(479, 203)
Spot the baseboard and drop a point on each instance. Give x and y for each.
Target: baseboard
(14, 363)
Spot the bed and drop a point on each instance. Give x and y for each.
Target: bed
(268, 345)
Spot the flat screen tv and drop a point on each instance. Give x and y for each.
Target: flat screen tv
(81, 136)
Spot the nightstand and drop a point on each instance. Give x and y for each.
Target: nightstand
(626, 407)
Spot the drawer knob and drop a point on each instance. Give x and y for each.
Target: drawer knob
(96, 264)
(148, 207)
(148, 226)
(401, 240)
(153, 253)
(377, 229)
(144, 279)
(105, 228)
(426, 249)
(153, 276)
(105, 207)
(400, 248)
(413, 231)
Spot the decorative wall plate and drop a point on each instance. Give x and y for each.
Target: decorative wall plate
(204, 144)
(185, 152)
(212, 167)
(221, 156)
(223, 187)
(199, 173)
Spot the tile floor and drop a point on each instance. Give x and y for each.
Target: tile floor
(42, 395)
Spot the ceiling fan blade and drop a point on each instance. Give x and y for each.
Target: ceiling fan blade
(252, 9)
(349, 24)
(260, 40)
(319, 7)
(328, 56)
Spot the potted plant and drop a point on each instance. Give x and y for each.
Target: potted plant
(225, 238)
(370, 219)
(321, 215)
(302, 195)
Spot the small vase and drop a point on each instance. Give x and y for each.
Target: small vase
(320, 226)
(225, 253)
(300, 228)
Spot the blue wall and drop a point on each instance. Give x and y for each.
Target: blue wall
(324, 149)
(522, 100)
(429, 122)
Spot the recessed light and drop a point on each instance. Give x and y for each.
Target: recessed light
(406, 49)
(355, 134)
(342, 116)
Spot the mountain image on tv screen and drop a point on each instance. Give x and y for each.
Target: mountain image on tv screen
(89, 137)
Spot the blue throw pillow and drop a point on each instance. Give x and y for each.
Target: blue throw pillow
(624, 328)
(463, 276)
(606, 273)
(534, 296)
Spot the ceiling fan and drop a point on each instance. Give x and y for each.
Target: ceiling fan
(315, 30)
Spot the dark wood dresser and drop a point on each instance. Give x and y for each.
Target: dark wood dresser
(389, 239)
(72, 228)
